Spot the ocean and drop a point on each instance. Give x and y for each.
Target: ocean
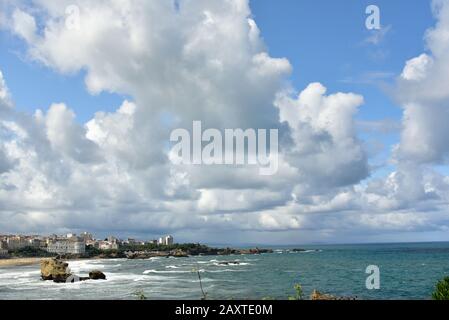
(407, 271)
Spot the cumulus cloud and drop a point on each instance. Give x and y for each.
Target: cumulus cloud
(113, 173)
(417, 68)
(5, 102)
(326, 148)
(423, 92)
(24, 25)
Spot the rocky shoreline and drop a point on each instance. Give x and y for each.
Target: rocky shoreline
(178, 253)
(145, 254)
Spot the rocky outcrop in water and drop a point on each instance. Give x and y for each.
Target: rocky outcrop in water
(227, 263)
(178, 253)
(97, 275)
(55, 270)
(58, 271)
(198, 251)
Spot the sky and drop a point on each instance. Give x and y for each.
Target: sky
(88, 101)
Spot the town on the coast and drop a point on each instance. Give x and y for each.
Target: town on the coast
(85, 245)
(72, 244)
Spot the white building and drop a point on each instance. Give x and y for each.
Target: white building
(169, 240)
(67, 246)
(107, 245)
(166, 241)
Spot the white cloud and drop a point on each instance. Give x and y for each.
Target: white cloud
(376, 37)
(24, 25)
(5, 102)
(423, 92)
(417, 68)
(326, 148)
(211, 65)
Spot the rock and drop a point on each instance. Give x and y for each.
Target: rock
(178, 253)
(316, 295)
(54, 269)
(255, 251)
(97, 275)
(227, 263)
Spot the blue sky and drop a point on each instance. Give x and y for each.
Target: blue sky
(324, 41)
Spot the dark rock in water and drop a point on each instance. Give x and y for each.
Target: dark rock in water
(255, 251)
(227, 263)
(97, 275)
(299, 250)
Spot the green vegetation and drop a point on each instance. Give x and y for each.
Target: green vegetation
(441, 290)
(95, 252)
(156, 247)
(30, 252)
(299, 295)
(140, 295)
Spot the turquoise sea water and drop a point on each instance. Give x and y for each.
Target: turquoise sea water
(407, 271)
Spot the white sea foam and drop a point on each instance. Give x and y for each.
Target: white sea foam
(168, 271)
(226, 270)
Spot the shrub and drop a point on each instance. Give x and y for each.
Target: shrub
(441, 290)
(299, 293)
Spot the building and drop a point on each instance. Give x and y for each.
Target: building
(166, 241)
(131, 241)
(37, 243)
(17, 242)
(107, 245)
(87, 236)
(3, 252)
(73, 245)
(3, 248)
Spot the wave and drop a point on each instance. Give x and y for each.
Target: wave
(232, 264)
(168, 271)
(225, 270)
(305, 251)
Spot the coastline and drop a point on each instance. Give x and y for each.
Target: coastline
(19, 262)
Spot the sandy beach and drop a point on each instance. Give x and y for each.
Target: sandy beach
(19, 262)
